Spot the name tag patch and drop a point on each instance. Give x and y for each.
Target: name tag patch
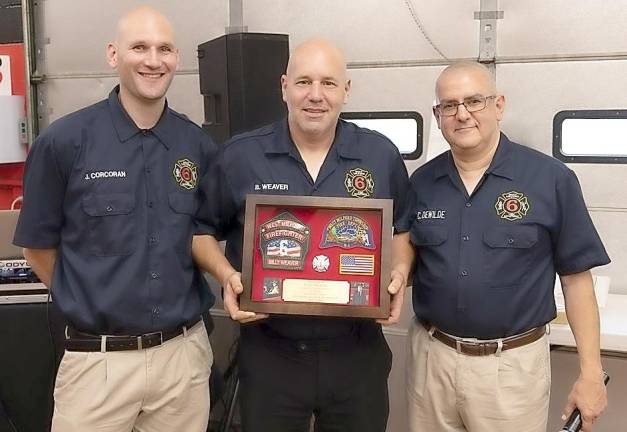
(430, 214)
(93, 175)
(272, 186)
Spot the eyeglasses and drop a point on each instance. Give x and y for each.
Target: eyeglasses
(472, 104)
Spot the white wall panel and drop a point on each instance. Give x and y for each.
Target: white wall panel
(540, 27)
(396, 89)
(603, 185)
(611, 227)
(79, 30)
(372, 30)
(64, 96)
(536, 92)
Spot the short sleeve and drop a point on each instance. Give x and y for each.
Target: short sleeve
(207, 188)
(406, 219)
(45, 180)
(578, 246)
(399, 185)
(217, 205)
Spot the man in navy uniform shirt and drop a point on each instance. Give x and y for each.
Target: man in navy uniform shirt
(492, 222)
(111, 193)
(294, 367)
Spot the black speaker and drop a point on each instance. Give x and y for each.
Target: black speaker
(31, 337)
(11, 21)
(240, 82)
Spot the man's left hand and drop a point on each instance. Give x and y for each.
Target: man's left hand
(590, 397)
(396, 288)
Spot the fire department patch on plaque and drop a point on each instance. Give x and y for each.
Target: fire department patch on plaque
(284, 241)
(320, 263)
(512, 206)
(359, 183)
(347, 231)
(185, 173)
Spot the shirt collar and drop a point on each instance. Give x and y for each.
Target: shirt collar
(347, 146)
(501, 164)
(343, 145)
(126, 127)
(444, 166)
(282, 144)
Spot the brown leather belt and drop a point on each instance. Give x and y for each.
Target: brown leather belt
(79, 341)
(483, 348)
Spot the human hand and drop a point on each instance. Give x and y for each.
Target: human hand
(590, 397)
(232, 289)
(396, 289)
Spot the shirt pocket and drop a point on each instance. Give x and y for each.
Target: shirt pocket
(183, 203)
(428, 235)
(430, 242)
(509, 253)
(111, 223)
(181, 222)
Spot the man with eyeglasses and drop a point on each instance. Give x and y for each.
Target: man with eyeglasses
(491, 223)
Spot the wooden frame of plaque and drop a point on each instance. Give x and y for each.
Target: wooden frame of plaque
(327, 256)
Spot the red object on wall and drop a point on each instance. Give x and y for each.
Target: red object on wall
(11, 174)
(18, 72)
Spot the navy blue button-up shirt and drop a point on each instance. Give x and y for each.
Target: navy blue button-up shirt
(486, 263)
(267, 161)
(119, 204)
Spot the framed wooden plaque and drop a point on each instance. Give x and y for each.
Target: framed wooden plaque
(326, 256)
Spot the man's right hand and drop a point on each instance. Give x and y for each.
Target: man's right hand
(232, 289)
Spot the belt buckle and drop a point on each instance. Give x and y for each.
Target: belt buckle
(460, 342)
(140, 339)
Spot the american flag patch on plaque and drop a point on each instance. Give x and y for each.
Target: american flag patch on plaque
(357, 264)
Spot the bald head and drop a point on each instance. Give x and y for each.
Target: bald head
(469, 109)
(466, 69)
(142, 19)
(145, 57)
(315, 87)
(320, 50)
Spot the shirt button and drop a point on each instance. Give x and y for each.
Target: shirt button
(510, 240)
(466, 238)
(464, 273)
(468, 204)
(154, 275)
(109, 209)
(302, 346)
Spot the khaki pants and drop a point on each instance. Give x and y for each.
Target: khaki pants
(160, 389)
(452, 392)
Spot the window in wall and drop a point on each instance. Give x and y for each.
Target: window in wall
(590, 136)
(403, 128)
